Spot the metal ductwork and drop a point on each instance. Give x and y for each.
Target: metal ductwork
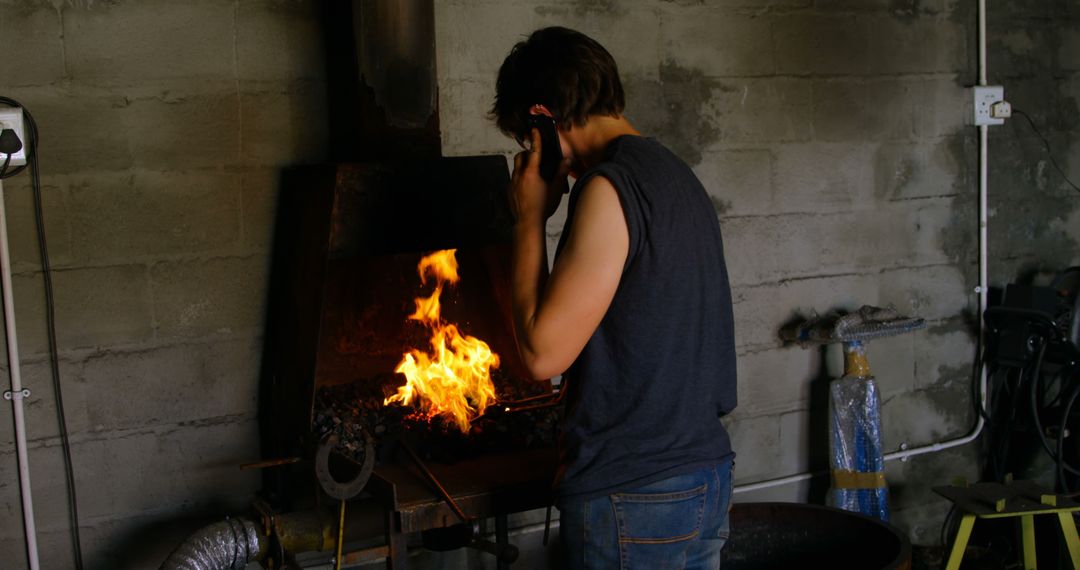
(225, 545)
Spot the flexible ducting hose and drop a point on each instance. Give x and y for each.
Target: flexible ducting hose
(225, 545)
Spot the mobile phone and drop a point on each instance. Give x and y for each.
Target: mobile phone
(550, 150)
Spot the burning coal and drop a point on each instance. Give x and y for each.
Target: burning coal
(453, 380)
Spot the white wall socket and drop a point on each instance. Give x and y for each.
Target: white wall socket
(984, 98)
(12, 118)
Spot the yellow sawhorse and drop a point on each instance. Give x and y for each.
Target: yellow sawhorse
(1022, 499)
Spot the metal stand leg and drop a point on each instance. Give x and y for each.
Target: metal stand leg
(960, 544)
(398, 544)
(502, 539)
(1068, 528)
(1027, 529)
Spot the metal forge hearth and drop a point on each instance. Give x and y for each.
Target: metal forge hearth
(345, 283)
(345, 280)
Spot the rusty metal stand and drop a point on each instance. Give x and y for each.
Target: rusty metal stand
(398, 542)
(444, 503)
(502, 539)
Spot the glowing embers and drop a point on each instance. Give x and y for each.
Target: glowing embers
(453, 380)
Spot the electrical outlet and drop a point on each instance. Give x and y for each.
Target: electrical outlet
(985, 97)
(12, 118)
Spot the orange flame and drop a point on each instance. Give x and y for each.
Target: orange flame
(454, 379)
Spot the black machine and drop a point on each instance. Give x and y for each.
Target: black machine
(1033, 353)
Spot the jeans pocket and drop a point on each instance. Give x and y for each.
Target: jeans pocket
(659, 518)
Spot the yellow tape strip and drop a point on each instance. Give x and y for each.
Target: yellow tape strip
(857, 480)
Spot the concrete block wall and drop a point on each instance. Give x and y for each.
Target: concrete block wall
(833, 137)
(831, 134)
(164, 126)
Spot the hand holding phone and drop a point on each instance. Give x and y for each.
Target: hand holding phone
(550, 150)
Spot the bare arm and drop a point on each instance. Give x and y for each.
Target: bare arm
(555, 315)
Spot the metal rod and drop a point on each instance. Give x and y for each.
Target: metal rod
(340, 536)
(17, 392)
(270, 463)
(434, 481)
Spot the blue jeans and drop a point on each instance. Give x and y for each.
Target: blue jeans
(677, 523)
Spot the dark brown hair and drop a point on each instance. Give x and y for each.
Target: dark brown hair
(564, 70)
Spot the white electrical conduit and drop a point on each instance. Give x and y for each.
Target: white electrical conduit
(17, 392)
(904, 453)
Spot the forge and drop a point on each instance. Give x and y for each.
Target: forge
(345, 280)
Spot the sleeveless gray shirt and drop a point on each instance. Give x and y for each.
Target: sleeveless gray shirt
(645, 395)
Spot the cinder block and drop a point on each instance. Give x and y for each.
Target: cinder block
(739, 181)
(1069, 51)
(933, 292)
(755, 441)
(172, 384)
(777, 380)
(892, 362)
(916, 45)
(466, 128)
(693, 114)
(717, 43)
(867, 110)
(169, 129)
(260, 188)
(901, 10)
(1021, 49)
(144, 541)
(821, 45)
(796, 441)
(40, 409)
(921, 523)
(193, 468)
(31, 39)
(912, 481)
(80, 128)
(22, 226)
(944, 353)
(927, 416)
(279, 41)
(144, 213)
(923, 169)
(760, 110)
(126, 43)
(824, 177)
(466, 50)
(164, 126)
(798, 492)
(196, 298)
(95, 306)
(752, 4)
(48, 487)
(672, 109)
(55, 549)
(283, 123)
(770, 248)
(940, 107)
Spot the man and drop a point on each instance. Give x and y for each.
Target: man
(636, 315)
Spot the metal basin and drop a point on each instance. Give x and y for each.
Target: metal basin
(767, 536)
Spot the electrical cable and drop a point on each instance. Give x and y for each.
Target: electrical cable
(1046, 144)
(1061, 440)
(50, 318)
(1063, 465)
